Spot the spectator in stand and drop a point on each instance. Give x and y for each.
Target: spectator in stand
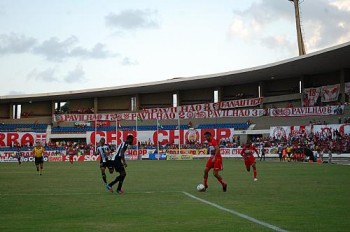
(289, 152)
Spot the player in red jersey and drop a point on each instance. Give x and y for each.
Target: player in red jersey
(215, 161)
(249, 159)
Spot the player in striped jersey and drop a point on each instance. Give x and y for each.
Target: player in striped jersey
(119, 164)
(105, 159)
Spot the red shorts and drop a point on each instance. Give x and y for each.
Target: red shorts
(249, 161)
(217, 164)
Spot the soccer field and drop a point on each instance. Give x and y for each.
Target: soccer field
(162, 196)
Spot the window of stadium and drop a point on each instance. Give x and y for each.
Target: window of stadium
(62, 107)
(16, 111)
(133, 104)
(174, 100)
(216, 96)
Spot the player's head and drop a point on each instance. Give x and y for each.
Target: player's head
(207, 135)
(129, 139)
(37, 143)
(248, 143)
(102, 141)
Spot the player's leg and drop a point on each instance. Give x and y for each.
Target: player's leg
(254, 171)
(218, 166)
(110, 166)
(103, 173)
(41, 166)
(247, 165)
(219, 178)
(121, 180)
(209, 165)
(205, 177)
(36, 161)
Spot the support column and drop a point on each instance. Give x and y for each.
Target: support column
(342, 86)
(95, 105)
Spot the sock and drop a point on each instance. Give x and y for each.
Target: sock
(221, 182)
(114, 181)
(205, 181)
(104, 178)
(120, 184)
(255, 173)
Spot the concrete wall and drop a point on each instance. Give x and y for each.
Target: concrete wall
(113, 104)
(156, 100)
(196, 96)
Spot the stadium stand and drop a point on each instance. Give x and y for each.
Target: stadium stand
(281, 85)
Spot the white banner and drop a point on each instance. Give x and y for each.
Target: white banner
(222, 109)
(330, 93)
(307, 111)
(347, 88)
(83, 117)
(280, 132)
(23, 138)
(310, 96)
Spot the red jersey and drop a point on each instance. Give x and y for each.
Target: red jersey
(215, 161)
(248, 151)
(211, 148)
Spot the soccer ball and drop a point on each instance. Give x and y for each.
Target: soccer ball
(200, 188)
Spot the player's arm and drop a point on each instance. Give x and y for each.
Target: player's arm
(242, 152)
(123, 156)
(216, 152)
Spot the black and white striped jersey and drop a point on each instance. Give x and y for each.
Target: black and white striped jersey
(118, 154)
(103, 151)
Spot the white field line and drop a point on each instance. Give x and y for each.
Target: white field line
(275, 228)
(78, 194)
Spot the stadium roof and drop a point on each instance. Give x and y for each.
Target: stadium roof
(328, 60)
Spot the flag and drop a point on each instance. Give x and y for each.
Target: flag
(138, 118)
(40, 137)
(159, 126)
(330, 93)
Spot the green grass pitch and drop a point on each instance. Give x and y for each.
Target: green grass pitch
(290, 196)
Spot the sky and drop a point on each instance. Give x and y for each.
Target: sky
(64, 45)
